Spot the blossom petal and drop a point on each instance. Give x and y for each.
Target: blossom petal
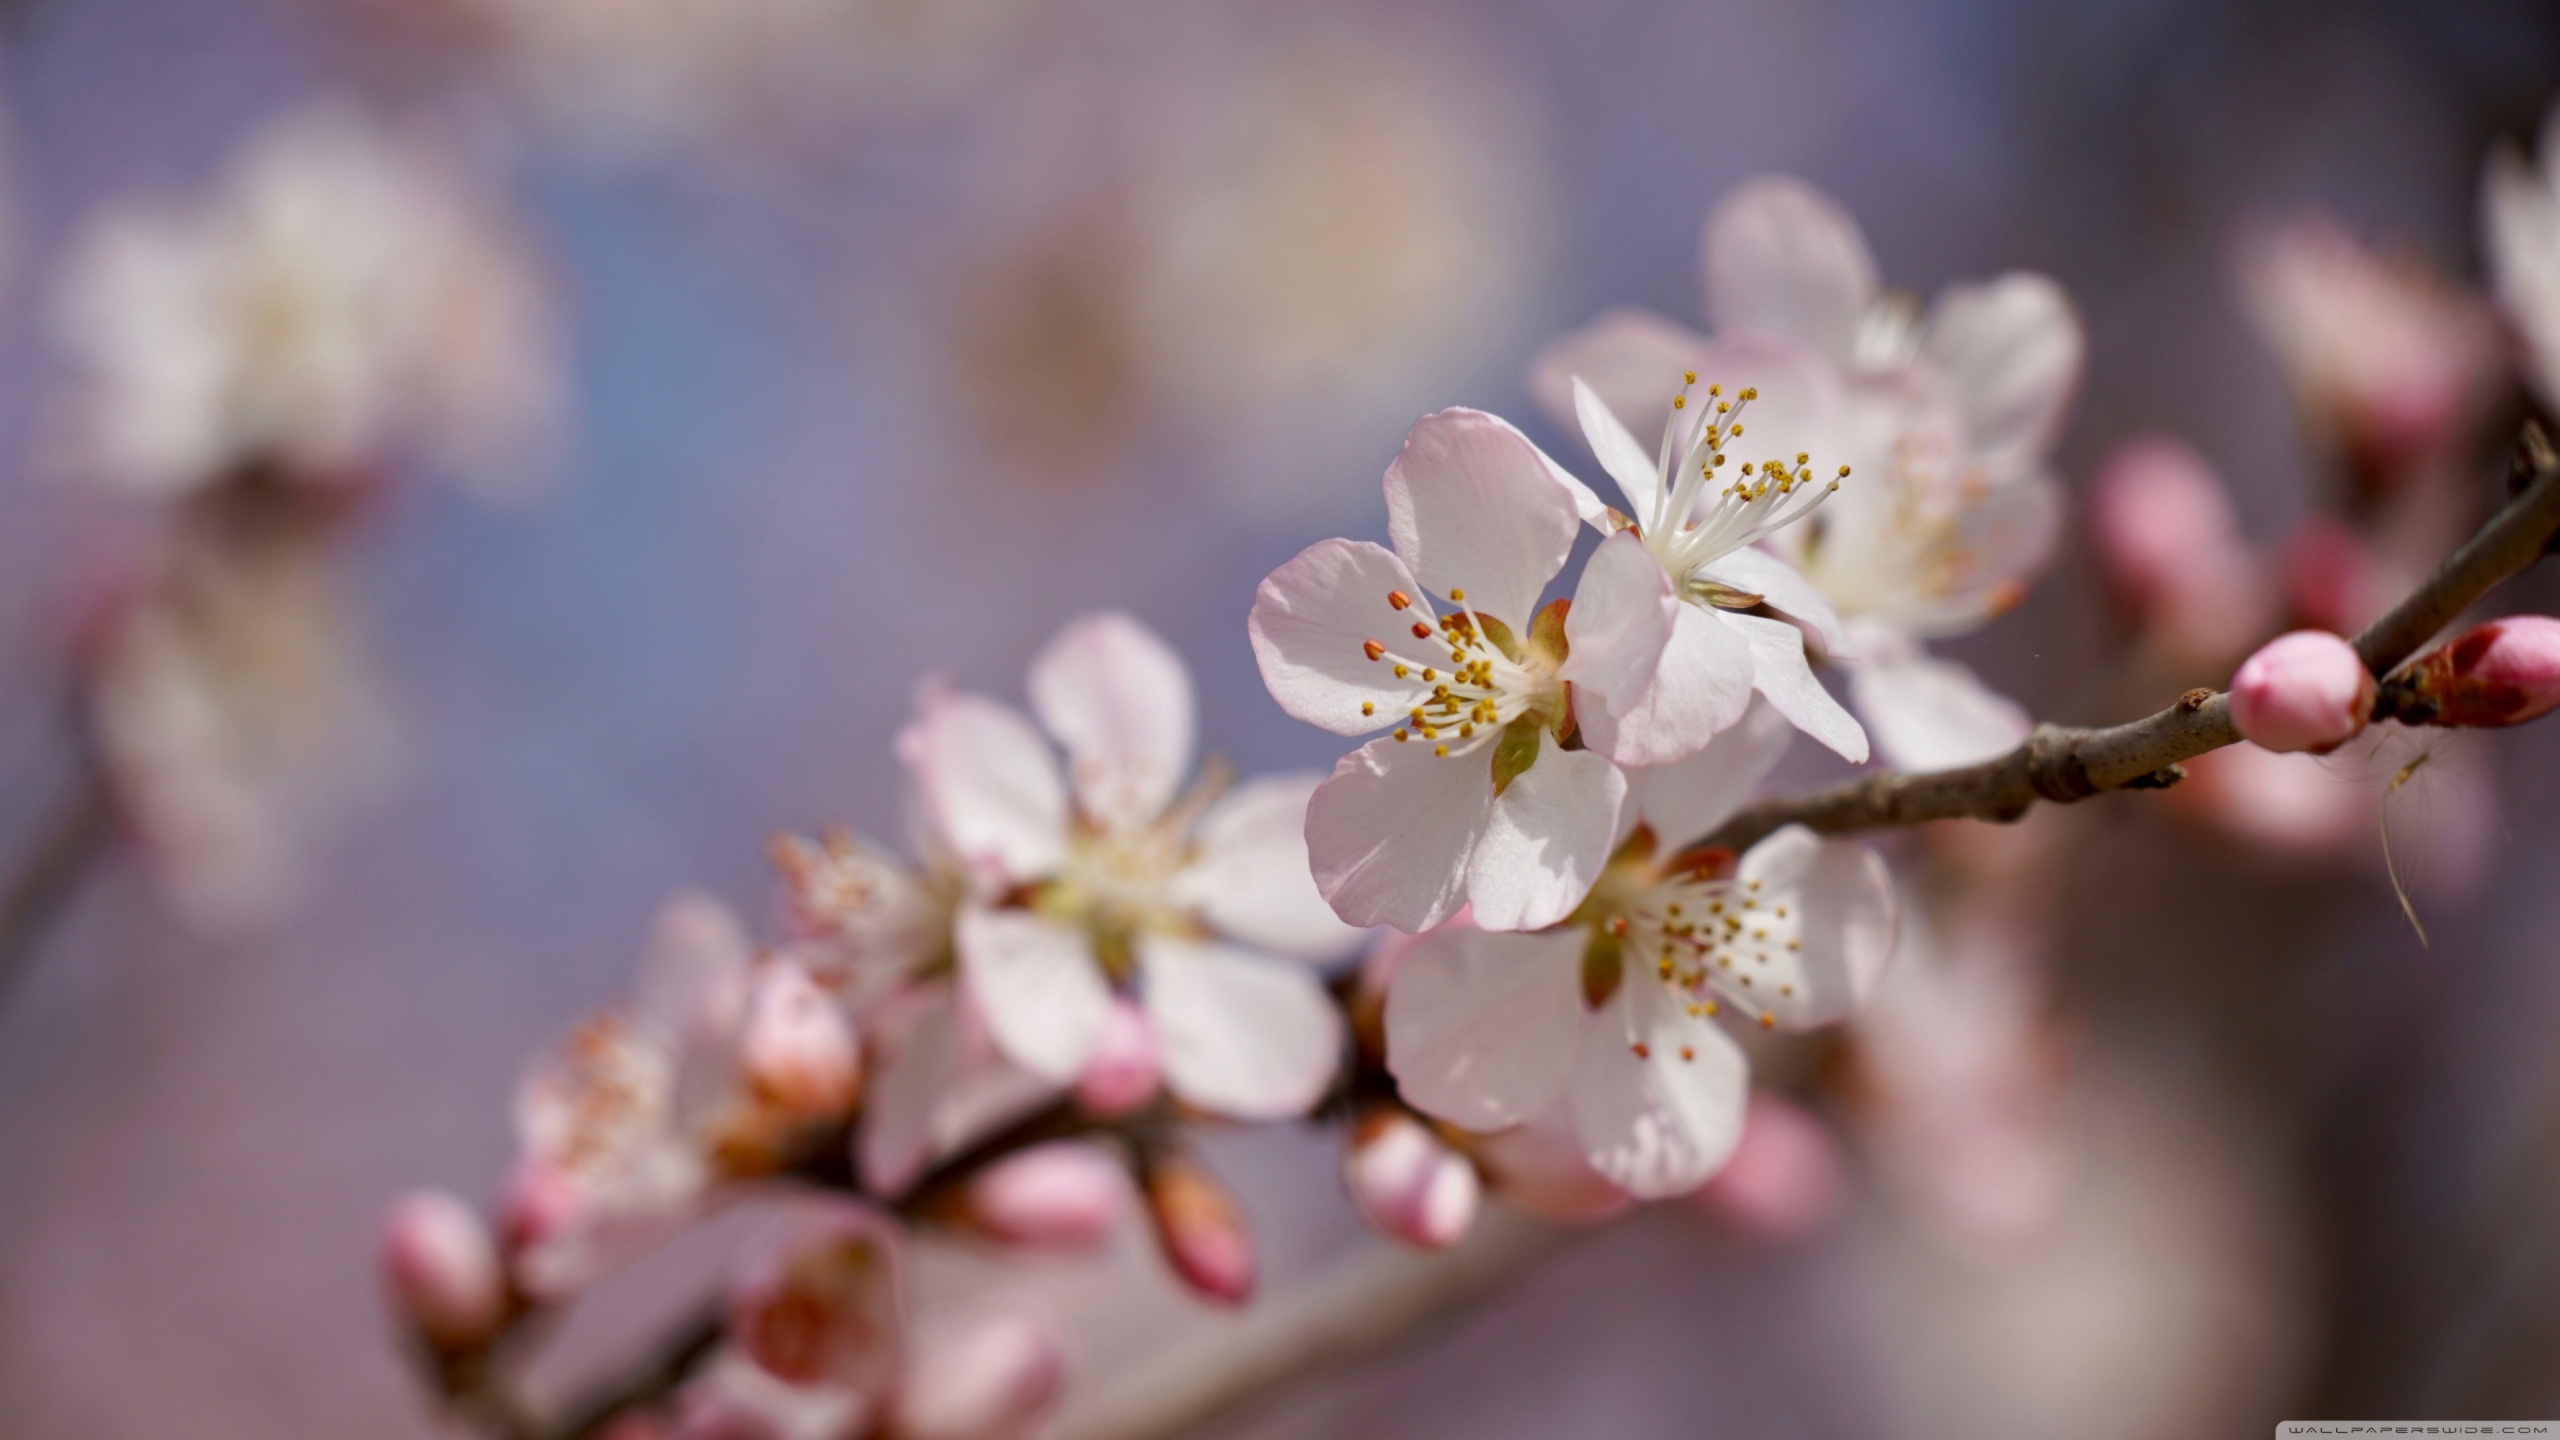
(1251, 880)
(1038, 987)
(1688, 800)
(1932, 714)
(1656, 1123)
(1389, 833)
(2012, 349)
(1473, 506)
(1632, 359)
(897, 1138)
(1786, 591)
(989, 786)
(1643, 700)
(1619, 453)
(693, 977)
(1782, 257)
(1312, 621)
(1780, 671)
(1545, 840)
(1817, 933)
(1481, 1028)
(2001, 539)
(1119, 700)
(1242, 1036)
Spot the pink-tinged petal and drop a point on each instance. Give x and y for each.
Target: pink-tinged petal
(1389, 833)
(1538, 1168)
(693, 976)
(1818, 932)
(1546, 839)
(1473, 506)
(1637, 703)
(2011, 348)
(1785, 590)
(1656, 1095)
(1314, 621)
(1785, 1180)
(898, 1132)
(1251, 881)
(989, 787)
(1038, 987)
(1481, 1028)
(1623, 456)
(2001, 541)
(1120, 701)
(1932, 714)
(993, 1376)
(1632, 359)
(1686, 801)
(1244, 1036)
(1783, 258)
(1780, 672)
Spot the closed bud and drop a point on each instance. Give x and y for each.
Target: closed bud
(796, 1051)
(1784, 1179)
(1124, 1073)
(991, 1377)
(1202, 1230)
(2502, 673)
(2305, 691)
(1405, 1183)
(441, 1269)
(1064, 1195)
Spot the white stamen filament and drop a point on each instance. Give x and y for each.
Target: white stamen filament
(1745, 508)
(1706, 940)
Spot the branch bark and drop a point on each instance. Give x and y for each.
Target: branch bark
(2064, 764)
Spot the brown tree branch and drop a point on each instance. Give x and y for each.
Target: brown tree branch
(2064, 764)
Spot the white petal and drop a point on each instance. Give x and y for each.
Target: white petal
(1780, 671)
(1686, 801)
(1546, 839)
(1389, 832)
(1481, 1028)
(2012, 349)
(1619, 453)
(1660, 1123)
(1639, 713)
(898, 1110)
(1786, 590)
(989, 787)
(1932, 714)
(1782, 257)
(1839, 906)
(2000, 540)
(1242, 1036)
(1473, 506)
(1251, 880)
(1632, 359)
(1312, 619)
(1119, 700)
(693, 977)
(1038, 987)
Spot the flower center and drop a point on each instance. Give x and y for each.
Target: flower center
(1699, 517)
(1469, 675)
(1707, 937)
(1118, 882)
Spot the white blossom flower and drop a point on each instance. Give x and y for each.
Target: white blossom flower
(1109, 875)
(339, 301)
(1476, 797)
(2520, 221)
(1615, 1016)
(1945, 420)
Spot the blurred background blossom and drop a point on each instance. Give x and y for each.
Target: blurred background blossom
(831, 343)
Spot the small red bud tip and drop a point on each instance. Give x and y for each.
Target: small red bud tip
(2504, 672)
(2304, 691)
(1202, 1231)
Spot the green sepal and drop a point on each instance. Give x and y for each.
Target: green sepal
(1515, 752)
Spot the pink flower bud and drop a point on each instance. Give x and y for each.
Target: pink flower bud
(796, 1051)
(1406, 1183)
(2504, 672)
(1065, 1195)
(2176, 567)
(441, 1269)
(2303, 691)
(992, 1377)
(1201, 1230)
(1785, 1178)
(1123, 1075)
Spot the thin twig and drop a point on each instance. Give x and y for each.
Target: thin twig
(50, 871)
(2064, 764)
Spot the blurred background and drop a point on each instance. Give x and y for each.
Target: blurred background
(891, 333)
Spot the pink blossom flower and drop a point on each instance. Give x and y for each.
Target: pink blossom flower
(2175, 563)
(1615, 1016)
(1946, 421)
(2307, 690)
(1107, 876)
(1473, 798)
